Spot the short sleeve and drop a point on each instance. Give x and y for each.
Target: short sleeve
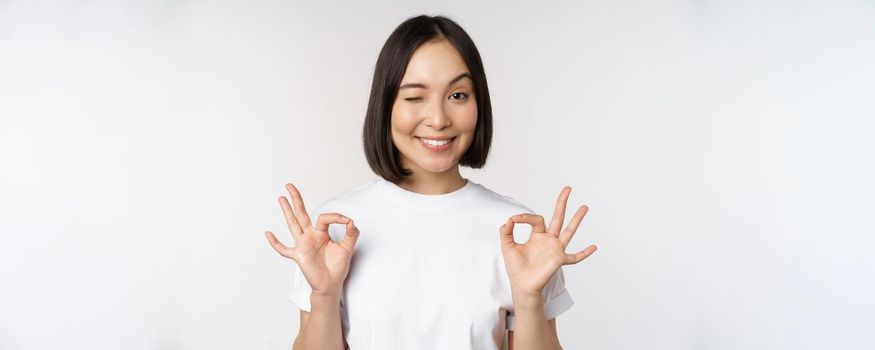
(556, 299)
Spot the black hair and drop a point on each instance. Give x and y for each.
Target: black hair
(380, 151)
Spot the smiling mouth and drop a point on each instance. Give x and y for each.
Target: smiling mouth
(436, 145)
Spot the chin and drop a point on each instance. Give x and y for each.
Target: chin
(436, 168)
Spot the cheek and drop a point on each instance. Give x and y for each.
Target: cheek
(403, 120)
(468, 122)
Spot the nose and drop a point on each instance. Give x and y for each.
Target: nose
(436, 116)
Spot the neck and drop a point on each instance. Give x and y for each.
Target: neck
(426, 182)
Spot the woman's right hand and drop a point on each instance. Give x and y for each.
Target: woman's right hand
(323, 262)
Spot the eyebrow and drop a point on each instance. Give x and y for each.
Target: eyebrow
(423, 86)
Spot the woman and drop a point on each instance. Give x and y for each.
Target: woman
(416, 263)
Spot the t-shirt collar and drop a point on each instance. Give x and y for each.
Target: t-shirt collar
(429, 202)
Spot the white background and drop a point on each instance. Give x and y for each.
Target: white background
(725, 149)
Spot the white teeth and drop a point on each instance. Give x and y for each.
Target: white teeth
(436, 143)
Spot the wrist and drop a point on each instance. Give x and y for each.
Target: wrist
(324, 298)
(524, 293)
(527, 301)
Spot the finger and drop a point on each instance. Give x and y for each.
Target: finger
(291, 220)
(298, 202)
(326, 219)
(506, 234)
(536, 221)
(351, 236)
(568, 232)
(559, 211)
(579, 256)
(277, 245)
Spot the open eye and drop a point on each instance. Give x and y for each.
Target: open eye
(459, 96)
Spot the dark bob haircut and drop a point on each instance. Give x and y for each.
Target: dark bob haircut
(380, 151)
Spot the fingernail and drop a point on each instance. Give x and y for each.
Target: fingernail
(344, 218)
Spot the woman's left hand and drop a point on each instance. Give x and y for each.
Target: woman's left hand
(530, 265)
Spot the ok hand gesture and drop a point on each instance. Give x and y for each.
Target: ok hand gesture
(530, 265)
(323, 262)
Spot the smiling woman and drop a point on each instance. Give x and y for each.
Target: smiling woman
(428, 72)
(433, 117)
(423, 258)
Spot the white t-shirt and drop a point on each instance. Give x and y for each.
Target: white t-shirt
(427, 270)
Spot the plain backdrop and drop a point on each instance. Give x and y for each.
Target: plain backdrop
(725, 149)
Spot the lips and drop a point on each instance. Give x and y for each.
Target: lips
(437, 144)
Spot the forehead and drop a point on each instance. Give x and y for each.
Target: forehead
(435, 61)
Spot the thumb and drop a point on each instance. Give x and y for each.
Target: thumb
(351, 236)
(506, 234)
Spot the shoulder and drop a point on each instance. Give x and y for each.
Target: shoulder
(496, 200)
(352, 198)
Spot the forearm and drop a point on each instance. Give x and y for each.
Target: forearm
(531, 330)
(322, 329)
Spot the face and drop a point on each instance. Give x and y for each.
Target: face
(435, 113)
